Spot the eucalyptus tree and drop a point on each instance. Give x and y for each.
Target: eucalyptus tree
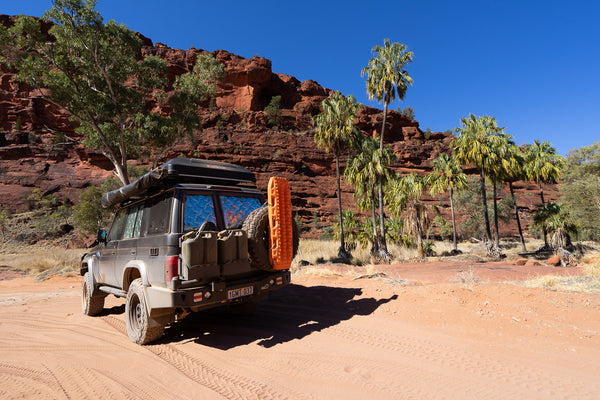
(93, 71)
(386, 78)
(473, 146)
(543, 165)
(447, 176)
(406, 193)
(334, 132)
(363, 171)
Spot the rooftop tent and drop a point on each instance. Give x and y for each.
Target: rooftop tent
(180, 170)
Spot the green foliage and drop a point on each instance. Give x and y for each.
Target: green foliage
(59, 138)
(4, 216)
(273, 111)
(88, 215)
(542, 164)
(93, 72)
(352, 227)
(427, 133)
(38, 200)
(327, 233)
(18, 125)
(556, 219)
(408, 112)
(444, 227)
(580, 190)
(469, 204)
(386, 74)
(302, 227)
(428, 248)
(334, 126)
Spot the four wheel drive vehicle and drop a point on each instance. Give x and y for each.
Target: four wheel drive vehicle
(188, 236)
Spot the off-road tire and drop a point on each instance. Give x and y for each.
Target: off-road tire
(256, 226)
(90, 305)
(137, 319)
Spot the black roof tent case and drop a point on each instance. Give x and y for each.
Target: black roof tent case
(201, 170)
(179, 170)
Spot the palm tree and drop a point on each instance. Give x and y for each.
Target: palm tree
(335, 130)
(447, 176)
(499, 163)
(543, 165)
(554, 217)
(386, 77)
(406, 193)
(516, 172)
(472, 146)
(363, 171)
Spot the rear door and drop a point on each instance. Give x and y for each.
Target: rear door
(127, 248)
(108, 255)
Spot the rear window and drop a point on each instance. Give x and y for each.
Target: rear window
(198, 208)
(236, 209)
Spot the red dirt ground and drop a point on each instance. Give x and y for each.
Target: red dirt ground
(319, 338)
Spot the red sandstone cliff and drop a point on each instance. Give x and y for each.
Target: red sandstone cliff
(234, 130)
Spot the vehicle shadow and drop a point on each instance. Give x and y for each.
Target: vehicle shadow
(290, 313)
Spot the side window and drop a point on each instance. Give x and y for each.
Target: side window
(133, 223)
(160, 215)
(198, 208)
(236, 209)
(116, 230)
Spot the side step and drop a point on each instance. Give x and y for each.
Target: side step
(112, 290)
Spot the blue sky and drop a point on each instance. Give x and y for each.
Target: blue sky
(534, 65)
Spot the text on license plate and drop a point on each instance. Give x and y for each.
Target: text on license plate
(240, 292)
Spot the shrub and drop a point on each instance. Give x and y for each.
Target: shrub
(408, 112)
(273, 110)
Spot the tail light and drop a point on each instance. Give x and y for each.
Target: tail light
(172, 268)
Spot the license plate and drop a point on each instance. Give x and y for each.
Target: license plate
(241, 292)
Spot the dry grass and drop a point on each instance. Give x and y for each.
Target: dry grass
(467, 277)
(43, 263)
(580, 284)
(324, 252)
(589, 283)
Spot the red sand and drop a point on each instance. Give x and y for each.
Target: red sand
(319, 338)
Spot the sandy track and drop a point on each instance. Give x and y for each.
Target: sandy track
(320, 338)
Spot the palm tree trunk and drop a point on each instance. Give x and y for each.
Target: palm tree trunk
(512, 193)
(496, 213)
(453, 221)
(342, 251)
(419, 235)
(486, 217)
(382, 242)
(544, 224)
(375, 248)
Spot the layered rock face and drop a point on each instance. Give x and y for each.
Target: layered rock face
(234, 129)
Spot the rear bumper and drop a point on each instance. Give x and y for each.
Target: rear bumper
(213, 293)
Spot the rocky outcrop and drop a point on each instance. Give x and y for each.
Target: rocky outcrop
(40, 149)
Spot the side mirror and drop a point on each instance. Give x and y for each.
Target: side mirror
(101, 236)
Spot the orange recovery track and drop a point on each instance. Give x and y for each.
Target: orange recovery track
(280, 223)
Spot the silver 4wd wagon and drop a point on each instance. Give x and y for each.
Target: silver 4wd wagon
(188, 236)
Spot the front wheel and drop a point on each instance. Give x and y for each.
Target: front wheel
(141, 329)
(90, 305)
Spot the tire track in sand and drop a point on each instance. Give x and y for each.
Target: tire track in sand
(227, 384)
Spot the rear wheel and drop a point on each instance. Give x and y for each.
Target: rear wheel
(141, 328)
(90, 305)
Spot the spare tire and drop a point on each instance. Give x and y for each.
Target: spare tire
(257, 227)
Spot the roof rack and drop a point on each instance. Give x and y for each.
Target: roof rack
(180, 170)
